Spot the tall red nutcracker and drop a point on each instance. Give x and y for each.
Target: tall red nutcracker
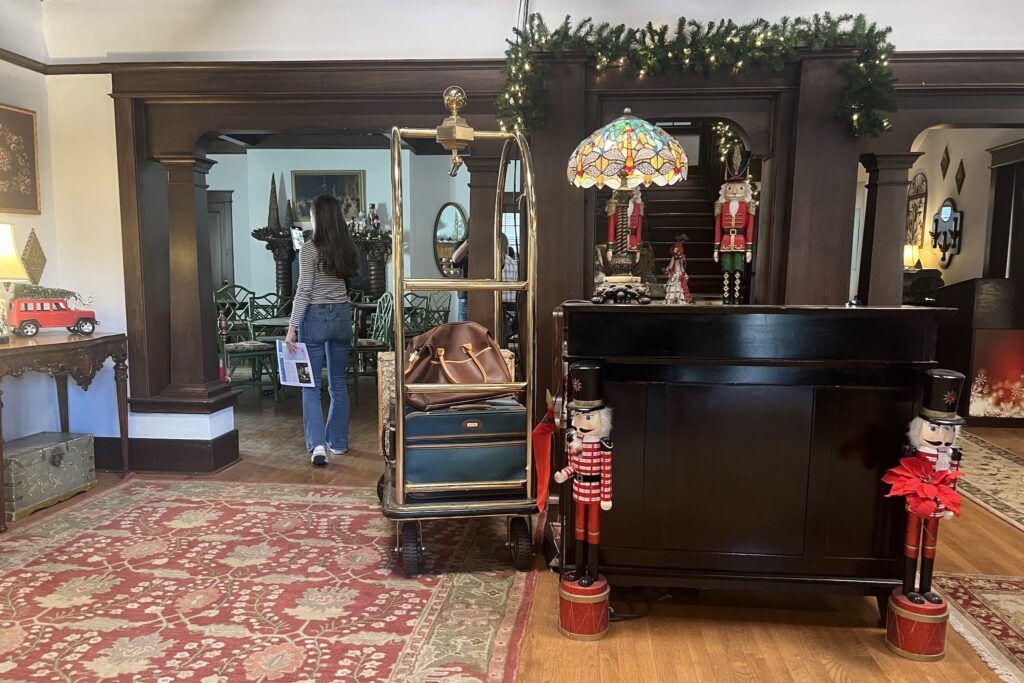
(589, 447)
(734, 225)
(927, 479)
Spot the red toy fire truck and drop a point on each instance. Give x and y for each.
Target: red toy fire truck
(27, 316)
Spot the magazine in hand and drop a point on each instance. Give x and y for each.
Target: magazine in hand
(293, 367)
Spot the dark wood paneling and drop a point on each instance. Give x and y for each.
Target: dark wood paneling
(169, 455)
(849, 517)
(561, 239)
(222, 242)
(756, 459)
(820, 240)
(724, 484)
(773, 334)
(809, 161)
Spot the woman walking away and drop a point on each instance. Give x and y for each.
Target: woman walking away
(322, 316)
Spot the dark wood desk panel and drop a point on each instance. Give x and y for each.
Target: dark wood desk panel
(61, 356)
(750, 441)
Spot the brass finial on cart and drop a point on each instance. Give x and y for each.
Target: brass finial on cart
(454, 133)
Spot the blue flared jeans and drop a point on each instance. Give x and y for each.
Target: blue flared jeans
(326, 330)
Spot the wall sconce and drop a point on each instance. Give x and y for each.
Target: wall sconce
(946, 233)
(911, 257)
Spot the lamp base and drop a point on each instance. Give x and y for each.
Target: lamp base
(621, 293)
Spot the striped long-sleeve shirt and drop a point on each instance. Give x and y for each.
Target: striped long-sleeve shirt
(315, 286)
(590, 466)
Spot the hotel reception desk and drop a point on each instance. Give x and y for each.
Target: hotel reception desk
(750, 441)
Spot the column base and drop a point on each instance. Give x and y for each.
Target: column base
(191, 398)
(169, 455)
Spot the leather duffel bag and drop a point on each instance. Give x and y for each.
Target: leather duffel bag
(454, 353)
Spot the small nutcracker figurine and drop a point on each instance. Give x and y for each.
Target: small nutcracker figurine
(677, 287)
(927, 478)
(734, 225)
(589, 449)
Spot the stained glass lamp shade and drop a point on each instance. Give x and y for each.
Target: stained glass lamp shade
(626, 153)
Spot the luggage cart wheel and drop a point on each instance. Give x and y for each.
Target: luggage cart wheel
(381, 483)
(520, 543)
(412, 549)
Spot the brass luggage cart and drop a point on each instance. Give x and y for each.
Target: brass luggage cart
(401, 501)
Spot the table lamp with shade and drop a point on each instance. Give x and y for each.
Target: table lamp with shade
(627, 153)
(11, 270)
(911, 257)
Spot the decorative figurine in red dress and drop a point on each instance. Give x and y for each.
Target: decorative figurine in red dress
(916, 618)
(677, 287)
(589, 449)
(734, 225)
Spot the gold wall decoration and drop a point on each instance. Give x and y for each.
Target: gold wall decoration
(19, 161)
(33, 258)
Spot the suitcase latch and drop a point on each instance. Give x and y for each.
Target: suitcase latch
(472, 424)
(57, 458)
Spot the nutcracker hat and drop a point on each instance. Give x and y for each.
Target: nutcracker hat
(737, 166)
(941, 395)
(585, 387)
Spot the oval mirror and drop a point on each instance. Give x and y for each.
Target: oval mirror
(451, 227)
(946, 212)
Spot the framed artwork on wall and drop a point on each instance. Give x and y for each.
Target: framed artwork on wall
(19, 161)
(348, 187)
(917, 204)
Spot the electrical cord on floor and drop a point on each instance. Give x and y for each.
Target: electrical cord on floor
(623, 595)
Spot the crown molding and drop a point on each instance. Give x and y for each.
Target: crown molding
(407, 64)
(24, 62)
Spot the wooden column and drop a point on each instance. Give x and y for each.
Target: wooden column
(824, 173)
(885, 220)
(562, 233)
(483, 186)
(194, 376)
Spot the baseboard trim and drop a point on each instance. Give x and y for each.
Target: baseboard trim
(169, 455)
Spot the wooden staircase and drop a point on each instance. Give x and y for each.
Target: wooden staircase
(685, 208)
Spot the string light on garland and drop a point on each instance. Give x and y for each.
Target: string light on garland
(704, 48)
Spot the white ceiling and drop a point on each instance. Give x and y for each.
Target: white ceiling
(137, 30)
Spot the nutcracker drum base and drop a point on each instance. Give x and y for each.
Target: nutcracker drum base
(915, 631)
(583, 612)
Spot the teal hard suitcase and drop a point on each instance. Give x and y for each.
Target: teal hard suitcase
(479, 443)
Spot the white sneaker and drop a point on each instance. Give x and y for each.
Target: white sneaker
(319, 457)
(337, 452)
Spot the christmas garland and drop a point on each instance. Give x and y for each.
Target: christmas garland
(702, 48)
(27, 291)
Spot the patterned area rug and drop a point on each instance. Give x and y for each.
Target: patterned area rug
(217, 583)
(988, 611)
(994, 478)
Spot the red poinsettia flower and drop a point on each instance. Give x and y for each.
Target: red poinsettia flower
(923, 488)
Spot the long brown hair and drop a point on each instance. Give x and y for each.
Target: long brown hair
(330, 236)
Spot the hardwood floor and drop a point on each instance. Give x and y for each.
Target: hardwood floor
(713, 636)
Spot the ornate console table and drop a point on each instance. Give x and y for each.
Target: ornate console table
(61, 356)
